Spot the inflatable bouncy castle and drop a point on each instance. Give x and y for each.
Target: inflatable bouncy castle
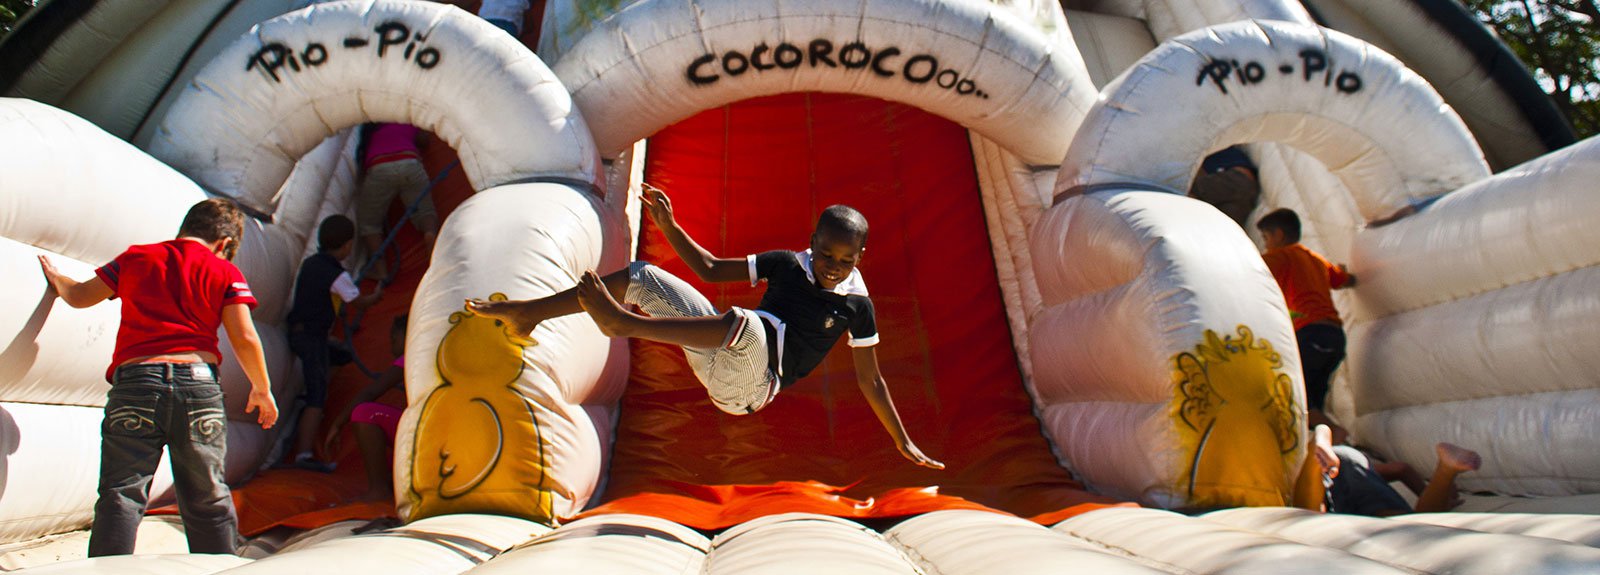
(1105, 365)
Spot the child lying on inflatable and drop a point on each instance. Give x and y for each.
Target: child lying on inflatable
(743, 357)
(1342, 479)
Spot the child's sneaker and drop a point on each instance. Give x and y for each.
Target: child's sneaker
(305, 461)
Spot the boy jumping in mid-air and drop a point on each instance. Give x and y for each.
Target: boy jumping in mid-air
(1306, 279)
(743, 357)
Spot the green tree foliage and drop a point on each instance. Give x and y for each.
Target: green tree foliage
(10, 12)
(1560, 41)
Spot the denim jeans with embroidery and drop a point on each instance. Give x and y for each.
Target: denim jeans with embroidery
(179, 406)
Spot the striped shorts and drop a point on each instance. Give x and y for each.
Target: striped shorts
(736, 374)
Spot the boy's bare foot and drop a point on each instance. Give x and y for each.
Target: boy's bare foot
(513, 313)
(604, 310)
(1458, 458)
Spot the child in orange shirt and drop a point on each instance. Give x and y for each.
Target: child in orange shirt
(1307, 280)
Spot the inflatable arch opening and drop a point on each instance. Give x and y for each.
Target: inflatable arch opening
(239, 127)
(1380, 128)
(534, 225)
(662, 61)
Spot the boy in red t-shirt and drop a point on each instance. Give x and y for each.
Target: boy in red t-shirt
(163, 374)
(1307, 279)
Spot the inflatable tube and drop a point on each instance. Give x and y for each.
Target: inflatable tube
(59, 168)
(1527, 223)
(977, 542)
(496, 422)
(1171, 18)
(1198, 546)
(283, 88)
(1379, 127)
(613, 543)
(450, 544)
(1539, 444)
(1163, 332)
(1450, 550)
(1572, 528)
(197, 564)
(968, 61)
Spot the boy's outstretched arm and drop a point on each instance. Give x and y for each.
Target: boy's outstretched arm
(75, 293)
(877, 394)
(704, 264)
(247, 349)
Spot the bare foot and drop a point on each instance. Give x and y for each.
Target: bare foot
(604, 310)
(513, 313)
(1458, 458)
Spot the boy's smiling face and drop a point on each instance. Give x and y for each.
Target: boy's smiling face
(834, 255)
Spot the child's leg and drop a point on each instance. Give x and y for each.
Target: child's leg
(130, 450)
(375, 425)
(375, 458)
(524, 315)
(1440, 495)
(1402, 472)
(198, 450)
(703, 332)
(682, 322)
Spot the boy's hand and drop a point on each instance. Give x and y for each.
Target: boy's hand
(657, 203)
(262, 404)
(1322, 449)
(910, 451)
(50, 273)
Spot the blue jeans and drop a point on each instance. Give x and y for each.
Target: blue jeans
(179, 406)
(1321, 352)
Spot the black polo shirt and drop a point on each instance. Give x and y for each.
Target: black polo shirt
(812, 318)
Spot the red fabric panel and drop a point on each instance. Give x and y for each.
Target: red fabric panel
(753, 176)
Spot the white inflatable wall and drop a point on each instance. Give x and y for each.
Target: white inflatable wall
(64, 169)
(1480, 328)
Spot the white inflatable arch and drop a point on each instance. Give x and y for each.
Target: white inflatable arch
(967, 61)
(243, 122)
(1375, 124)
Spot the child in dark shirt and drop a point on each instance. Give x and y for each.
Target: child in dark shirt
(322, 278)
(743, 357)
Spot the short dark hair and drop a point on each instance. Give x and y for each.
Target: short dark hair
(213, 219)
(1284, 220)
(335, 231)
(846, 220)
